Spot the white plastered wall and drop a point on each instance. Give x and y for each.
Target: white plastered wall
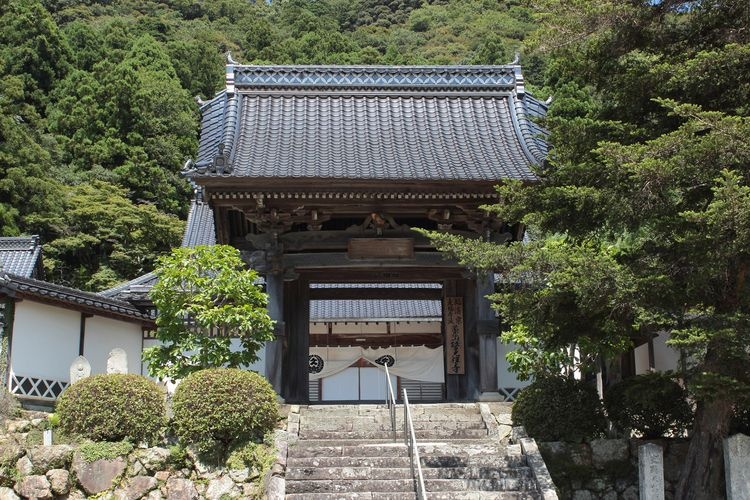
(665, 357)
(505, 377)
(104, 334)
(259, 366)
(45, 340)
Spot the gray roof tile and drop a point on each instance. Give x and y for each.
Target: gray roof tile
(20, 255)
(375, 310)
(199, 229)
(379, 123)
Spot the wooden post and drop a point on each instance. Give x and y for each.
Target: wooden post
(463, 386)
(488, 329)
(295, 375)
(274, 348)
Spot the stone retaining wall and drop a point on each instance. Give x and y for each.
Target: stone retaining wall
(607, 469)
(153, 473)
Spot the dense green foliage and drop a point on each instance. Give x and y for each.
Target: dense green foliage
(219, 408)
(97, 97)
(559, 409)
(205, 296)
(8, 405)
(640, 218)
(113, 407)
(91, 451)
(653, 405)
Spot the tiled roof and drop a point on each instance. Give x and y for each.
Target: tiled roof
(20, 255)
(30, 287)
(383, 123)
(375, 310)
(200, 225)
(141, 283)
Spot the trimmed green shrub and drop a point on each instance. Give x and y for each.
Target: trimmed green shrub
(652, 405)
(740, 421)
(92, 451)
(254, 456)
(113, 407)
(9, 406)
(217, 408)
(559, 409)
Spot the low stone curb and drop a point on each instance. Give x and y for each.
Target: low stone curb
(536, 463)
(493, 430)
(275, 481)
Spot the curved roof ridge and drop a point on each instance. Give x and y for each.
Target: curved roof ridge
(332, 76)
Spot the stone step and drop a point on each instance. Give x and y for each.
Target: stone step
(332, 449)
(381, 473)
(422, 434)
(398, 485)
(348, 424)
(444, 461)
(450, 495)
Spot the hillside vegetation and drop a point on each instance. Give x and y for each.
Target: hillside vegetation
(97, 108)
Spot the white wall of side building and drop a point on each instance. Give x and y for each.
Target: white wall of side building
(665, 357)
(104, 334)
(45, 340)
(259, 366)
(505, 377)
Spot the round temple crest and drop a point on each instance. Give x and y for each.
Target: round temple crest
(315, 364)
(386, 360)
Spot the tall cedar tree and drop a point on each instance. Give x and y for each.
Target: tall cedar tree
(641, 217)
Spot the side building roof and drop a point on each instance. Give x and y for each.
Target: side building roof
(43, 291)
(428, 123)
(21, 255)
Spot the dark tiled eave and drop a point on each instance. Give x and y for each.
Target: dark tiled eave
(21, 287)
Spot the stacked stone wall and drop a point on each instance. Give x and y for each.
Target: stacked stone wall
(607, 469)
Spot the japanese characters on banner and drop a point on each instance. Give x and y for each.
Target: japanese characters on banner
(453, 311)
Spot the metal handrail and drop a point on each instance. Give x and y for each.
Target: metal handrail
(390, 400)
(411, 442)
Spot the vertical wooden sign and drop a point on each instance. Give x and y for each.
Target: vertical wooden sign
(453, 312)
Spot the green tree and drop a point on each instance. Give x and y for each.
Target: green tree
(205, 296)
(640, 216)
(103, 238)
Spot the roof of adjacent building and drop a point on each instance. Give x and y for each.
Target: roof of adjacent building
(374, 310)
(23, 287)
(21, 255)
(431, 123)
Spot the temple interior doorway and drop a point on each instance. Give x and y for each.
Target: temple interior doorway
(353, 339)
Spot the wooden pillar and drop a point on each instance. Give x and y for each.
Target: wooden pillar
(488, 329)
(274, 348)
(465, 386)
(295, 374)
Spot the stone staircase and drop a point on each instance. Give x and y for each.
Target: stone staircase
(348, 452)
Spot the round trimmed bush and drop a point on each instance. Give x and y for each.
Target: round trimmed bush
(559, 409)
(113, 407)
(652, 405)
(221, 407)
